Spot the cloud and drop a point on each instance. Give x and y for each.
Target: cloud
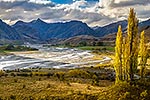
(122, 3)
(119, 9)
(93, 12)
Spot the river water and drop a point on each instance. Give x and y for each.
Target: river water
(47, 57)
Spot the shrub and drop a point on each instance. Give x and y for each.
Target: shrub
(1, 73)
(48, 85)
(24, 86)
(39, 79)
(40, 73)
(13, 97)
(79, 73)
(15, 80)
(23, 74)
(68, 84)
(13, 74)
(60, 75)
(144, 94)
(25, 70)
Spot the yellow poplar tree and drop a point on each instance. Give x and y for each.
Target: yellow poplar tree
(126, 50)
(143, 53)
(124, 58)
(118, 55)
(132, 45)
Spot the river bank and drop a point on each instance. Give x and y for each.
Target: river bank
(50, 57)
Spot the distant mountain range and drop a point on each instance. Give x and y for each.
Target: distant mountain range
(143, 26)
(38, 31)
(43, 31)
(111, 28)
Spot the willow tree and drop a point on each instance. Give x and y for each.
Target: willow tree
(143, 52)
(118, 55)
(132, 45)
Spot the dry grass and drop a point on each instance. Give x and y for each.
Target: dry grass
(25, 52)
(20, 86)
(97, 57)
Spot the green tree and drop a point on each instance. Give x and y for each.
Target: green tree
(143, 52)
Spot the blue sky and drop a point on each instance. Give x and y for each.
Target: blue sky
(62, 1)
(69, 1)
(92, 12)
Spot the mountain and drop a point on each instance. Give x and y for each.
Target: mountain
(143, 26)
(111, 28)
(81, 40)
(32, 31)
(69, 29)
(43, 31)
(38, 31)
(144, 23)
(7, 32)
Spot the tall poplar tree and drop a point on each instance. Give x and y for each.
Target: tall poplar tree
(118, 55)
(143, 54)
(126, 50)
(132, 45)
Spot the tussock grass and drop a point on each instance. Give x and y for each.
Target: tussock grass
(52, 84)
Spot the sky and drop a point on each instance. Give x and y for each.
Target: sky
(92, 12)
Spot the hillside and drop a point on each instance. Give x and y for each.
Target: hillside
(81, 40)
(111, 28)
(38, 31)
(142, 26)
(7, 33)
(43, 31)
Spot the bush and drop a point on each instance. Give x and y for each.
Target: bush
(23, 74)
(9, 47)
(48, 85)
(60, 75)
(41, 73)
(1, 73)
(79, 74)
(13, 74)
(24, 86)
(25, 70)
(144, 94)
(126, 91)
(13, 97)
(15, 80)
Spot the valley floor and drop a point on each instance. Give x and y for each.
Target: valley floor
(96, 83)
(72, 84)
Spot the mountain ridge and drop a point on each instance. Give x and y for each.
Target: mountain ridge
(38, 31)
(11, 33)
(44, 31)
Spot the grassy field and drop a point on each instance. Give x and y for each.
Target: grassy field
(100, 48)
(7, 49)
(89, 83)
(95, 83)
(54, 84)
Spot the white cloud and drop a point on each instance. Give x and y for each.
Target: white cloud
(119, 9)
(93, 13)
(40, 1)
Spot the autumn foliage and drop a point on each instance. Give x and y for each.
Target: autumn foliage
(127, 51)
